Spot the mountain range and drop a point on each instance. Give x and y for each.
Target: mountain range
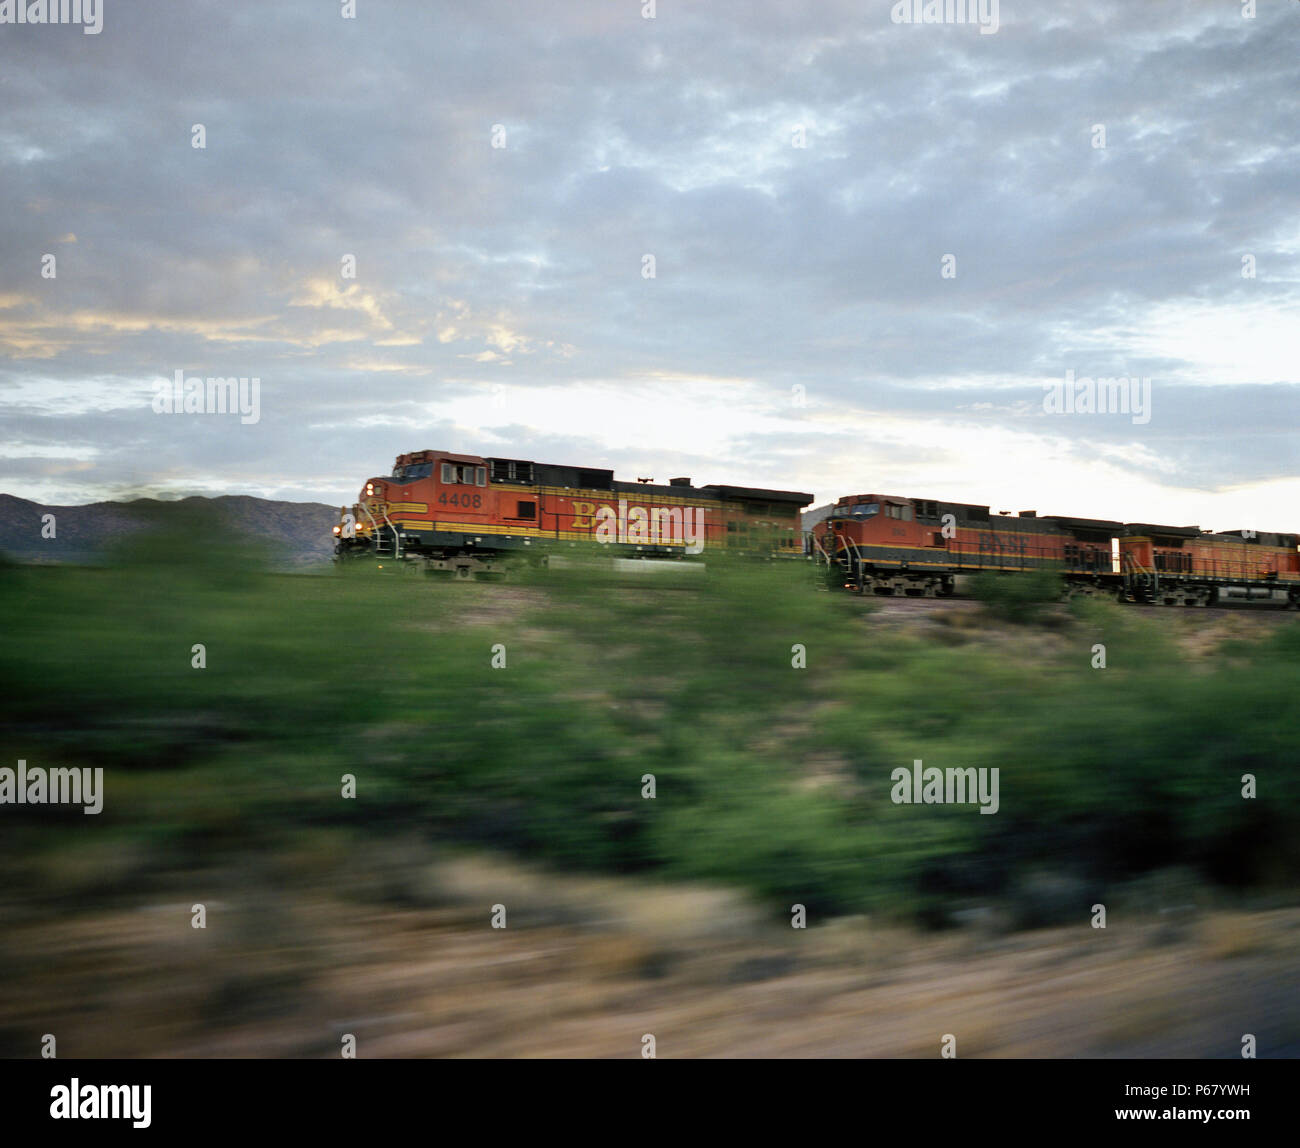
(297, 533)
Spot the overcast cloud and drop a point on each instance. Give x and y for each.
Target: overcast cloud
(797, 332)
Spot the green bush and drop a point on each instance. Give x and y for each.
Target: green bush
(1018, 597)
(770, 714)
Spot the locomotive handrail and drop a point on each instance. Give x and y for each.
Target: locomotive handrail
(397, 542)
(397, 538)
(852, 547)
(1142, 573)
(819, 548)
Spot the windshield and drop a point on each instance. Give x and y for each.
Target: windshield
(411, 473)
(857, 510)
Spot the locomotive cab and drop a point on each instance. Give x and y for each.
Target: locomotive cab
(863, 517)
(459, 490)
(422, 487)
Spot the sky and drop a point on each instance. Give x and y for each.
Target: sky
(767, 243)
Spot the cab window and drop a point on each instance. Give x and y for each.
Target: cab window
(467, 475)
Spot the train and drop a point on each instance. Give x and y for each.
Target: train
(472, 517)
(885, 544)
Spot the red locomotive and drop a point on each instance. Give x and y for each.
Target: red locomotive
(469, 516)
(885, 544)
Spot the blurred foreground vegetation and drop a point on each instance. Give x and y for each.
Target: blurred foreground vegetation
(768, 777)
(1020, 598)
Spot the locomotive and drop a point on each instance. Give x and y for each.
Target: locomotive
(470, 517)
(884, 544)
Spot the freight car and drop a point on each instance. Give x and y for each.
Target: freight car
(885, 544)
(471, 517)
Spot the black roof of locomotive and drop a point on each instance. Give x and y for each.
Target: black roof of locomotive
(1143, 529)
(759, 494)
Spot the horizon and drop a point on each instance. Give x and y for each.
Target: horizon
(812, 507)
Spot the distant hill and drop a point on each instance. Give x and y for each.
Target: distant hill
(298, 533)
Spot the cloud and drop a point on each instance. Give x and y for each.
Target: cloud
(776, 265)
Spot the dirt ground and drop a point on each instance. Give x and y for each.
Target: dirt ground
(588, 968)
